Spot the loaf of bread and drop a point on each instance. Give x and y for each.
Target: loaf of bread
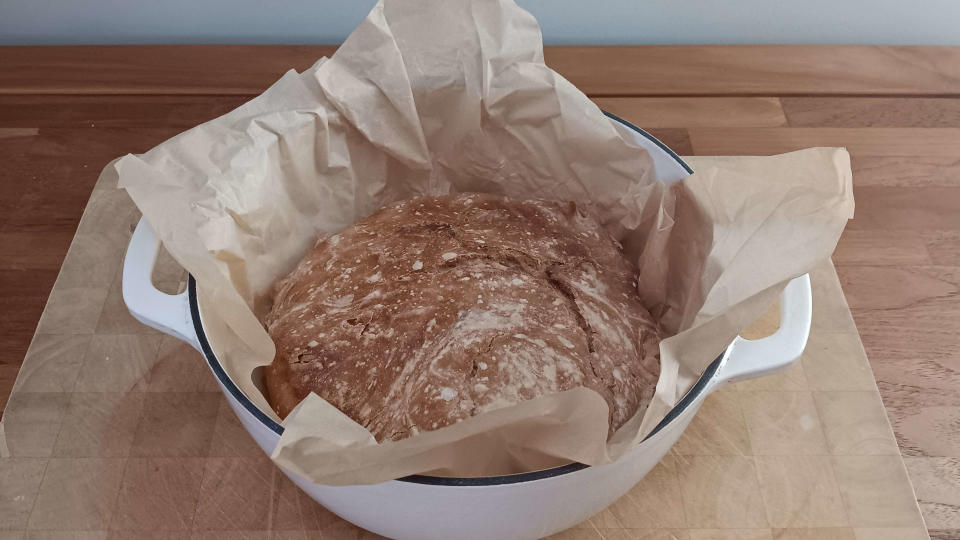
(436, 309)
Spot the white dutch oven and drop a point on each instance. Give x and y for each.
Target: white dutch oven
(529, 505)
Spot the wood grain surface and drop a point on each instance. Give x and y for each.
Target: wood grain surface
(671, 112)
(113, 111)
(66, 111)
(920, 142)
(690, 70)
(152, 69)
(871, 112)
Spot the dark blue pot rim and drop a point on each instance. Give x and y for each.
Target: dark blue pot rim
(218, 370)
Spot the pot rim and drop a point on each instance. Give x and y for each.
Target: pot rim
(273, 426)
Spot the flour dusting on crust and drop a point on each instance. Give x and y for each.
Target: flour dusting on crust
(436, 309)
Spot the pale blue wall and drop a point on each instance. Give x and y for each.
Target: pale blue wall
(936, 22)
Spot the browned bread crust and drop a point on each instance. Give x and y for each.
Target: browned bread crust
(435, 309)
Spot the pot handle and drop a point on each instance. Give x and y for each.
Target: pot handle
(749, 359)
(168, 313)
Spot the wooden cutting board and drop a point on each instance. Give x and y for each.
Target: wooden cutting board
(118, 431)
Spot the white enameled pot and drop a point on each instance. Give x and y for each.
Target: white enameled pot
(529, 505)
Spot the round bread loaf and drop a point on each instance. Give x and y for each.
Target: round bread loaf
(436, 309)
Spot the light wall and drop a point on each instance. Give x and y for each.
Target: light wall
(602, 22)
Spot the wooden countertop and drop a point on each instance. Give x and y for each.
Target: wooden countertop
(66, 111)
